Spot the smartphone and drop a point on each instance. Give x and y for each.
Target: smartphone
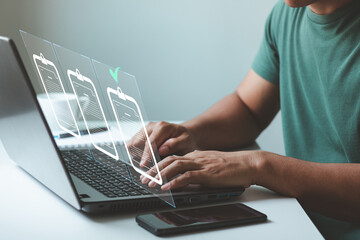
(92, 113)
(131, 124)
(182, 221)
(52, 84)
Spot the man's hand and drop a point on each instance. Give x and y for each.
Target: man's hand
(169, 138)
(209, 168)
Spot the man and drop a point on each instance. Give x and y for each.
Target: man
(308, 63)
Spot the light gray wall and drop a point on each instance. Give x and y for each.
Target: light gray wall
(186, 54)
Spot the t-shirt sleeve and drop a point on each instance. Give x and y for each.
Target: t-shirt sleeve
(266, 62)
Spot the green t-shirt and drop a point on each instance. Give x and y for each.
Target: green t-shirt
(315, 60)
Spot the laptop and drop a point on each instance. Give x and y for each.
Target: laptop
(72, 174)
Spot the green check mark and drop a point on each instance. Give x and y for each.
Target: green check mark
(114, 74)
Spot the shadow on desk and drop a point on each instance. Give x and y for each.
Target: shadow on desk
(255, 193)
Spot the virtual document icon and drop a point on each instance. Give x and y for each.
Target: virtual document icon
(92, 113)
(52, 83)
(131, 124)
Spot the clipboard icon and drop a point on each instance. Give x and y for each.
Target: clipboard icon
(84, 87)
(126, 109)
(52, 83)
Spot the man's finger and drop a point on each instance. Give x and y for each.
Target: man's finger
(161, 133)
(153, 171)
(146, 156)
(175, 168)
(173, 146)
(135, 140)
(161, 165)
(195, 177)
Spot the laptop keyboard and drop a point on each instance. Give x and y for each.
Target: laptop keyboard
(105, 175)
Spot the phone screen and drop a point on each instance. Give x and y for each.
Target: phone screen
(205, 215)
(223, 215)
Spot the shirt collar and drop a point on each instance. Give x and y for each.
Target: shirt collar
(339, 13)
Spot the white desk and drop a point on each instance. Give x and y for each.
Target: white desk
(28, 210)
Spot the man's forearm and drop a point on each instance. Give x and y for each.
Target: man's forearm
(328, 188)
(226, 125)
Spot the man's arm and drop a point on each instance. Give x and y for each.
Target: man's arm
(328, 188)
(239, 118)
(234, 121)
